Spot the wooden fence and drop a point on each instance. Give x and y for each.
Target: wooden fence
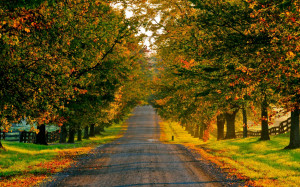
(53, 136)
(28, 137)
(2, 135)
(10, 136)
(284, 127)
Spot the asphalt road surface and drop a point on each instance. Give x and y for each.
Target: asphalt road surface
(140, 159)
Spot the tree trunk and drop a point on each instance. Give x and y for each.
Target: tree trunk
(102, 129)
(230, 120)
(264, 121)
(294, 134)
(220, 126)
(1, 137)
(1, 133)
(186, 127)
(245, 125)
(197, 128)
(71, 134)
(1, 146)
(79, 135)
(63, 134)
(202, 128)
(190, 129)
(98, 130)
(86, 132)
(41, 137)
(92, 130)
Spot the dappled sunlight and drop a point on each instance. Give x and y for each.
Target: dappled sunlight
(28, 164)
(148, 92)
(31, 152)
(262, 163)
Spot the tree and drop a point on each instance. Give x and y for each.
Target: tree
(220, 125)
(236, 44)
(50, 52)
(245, 122)
(294, 136)
(41, 137)
(264, 119)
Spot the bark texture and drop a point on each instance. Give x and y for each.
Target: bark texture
(79, 135)
(230, 120)
(63, 134)
(86, 132)
(245, 125)
(202, 128)
(191, 130)
(71, 135)
(92, 130)
(294, 134)
(197, 129)
(264, 121)
(220, 126)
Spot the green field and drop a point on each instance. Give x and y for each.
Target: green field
(20, 158)
(266, 163)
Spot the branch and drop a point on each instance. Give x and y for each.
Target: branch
(78, 74)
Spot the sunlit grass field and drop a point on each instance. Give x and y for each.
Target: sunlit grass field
(263, 163)
(21, 162)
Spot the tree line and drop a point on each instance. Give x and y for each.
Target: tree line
(75, 63)
(219, 57)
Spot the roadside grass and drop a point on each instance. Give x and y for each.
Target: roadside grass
(24, 164)
(261, 163)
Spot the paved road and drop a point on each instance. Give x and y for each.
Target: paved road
(139, 159)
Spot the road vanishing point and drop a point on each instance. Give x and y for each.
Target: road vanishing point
(140, 159)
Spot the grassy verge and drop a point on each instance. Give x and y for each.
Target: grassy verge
(27, 164)
(263, 163)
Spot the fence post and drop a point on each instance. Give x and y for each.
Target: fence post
(21, 136)
(47, 137)
(25, 137)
